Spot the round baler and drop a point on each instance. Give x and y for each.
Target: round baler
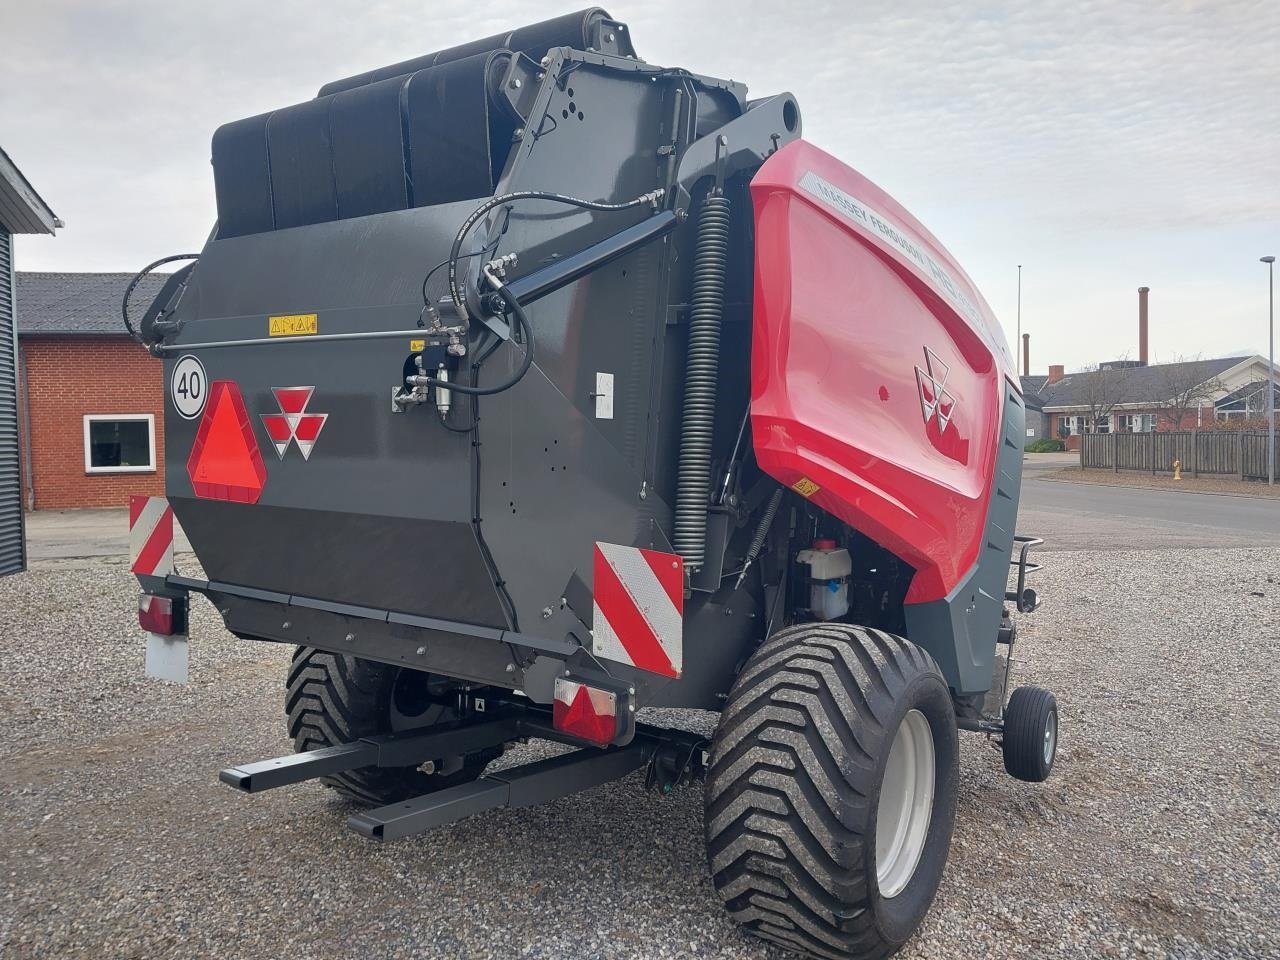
(527, 385)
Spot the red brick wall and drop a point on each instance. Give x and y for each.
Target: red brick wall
(67, 378)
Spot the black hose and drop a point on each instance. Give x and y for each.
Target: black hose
(124, 303)
(480, 211)
(513, 306)
(476, 364)
(702, 369)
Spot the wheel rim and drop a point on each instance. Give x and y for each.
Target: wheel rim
(1050, 738)
(906, 804)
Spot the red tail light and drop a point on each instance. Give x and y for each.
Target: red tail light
(166, 616)
(588, 713)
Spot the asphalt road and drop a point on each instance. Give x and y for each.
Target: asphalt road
(1082, 516)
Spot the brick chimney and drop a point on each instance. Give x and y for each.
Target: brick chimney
(1056, 372)
(1142, 325)
(1026, 354)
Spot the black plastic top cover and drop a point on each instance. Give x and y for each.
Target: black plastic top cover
(590, 29)
(432, 136)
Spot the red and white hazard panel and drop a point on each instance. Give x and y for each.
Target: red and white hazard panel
(150, 536)
(638, 615)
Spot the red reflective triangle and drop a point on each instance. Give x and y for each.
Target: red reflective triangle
(225, 463)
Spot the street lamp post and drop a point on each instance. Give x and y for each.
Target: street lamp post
(1017, 344)
(1271, 370)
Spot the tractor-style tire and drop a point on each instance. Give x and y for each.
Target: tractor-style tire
(1030, 741)
(332, 699)
(793, 794)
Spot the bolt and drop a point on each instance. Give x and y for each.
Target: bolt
(351, 638)
(518, 134)
(539, 75)
(515, 83)
(511, 668)
(225, 611)
(608, 38)
(428, 768)
(545, 60)
(675, 564)
(546, 613)
(286, 625)
(566, 673)
(421, 651)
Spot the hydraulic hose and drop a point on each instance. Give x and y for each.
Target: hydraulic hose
(455, 252)
(513, 305)
(124, 303)
(702, 370)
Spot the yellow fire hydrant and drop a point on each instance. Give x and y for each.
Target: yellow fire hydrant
(1177, 469)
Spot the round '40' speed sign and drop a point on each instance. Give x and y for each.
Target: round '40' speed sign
(189, 387)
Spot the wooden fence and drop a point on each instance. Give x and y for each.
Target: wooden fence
(1242, 455)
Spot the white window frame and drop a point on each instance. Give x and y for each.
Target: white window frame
(150, 418)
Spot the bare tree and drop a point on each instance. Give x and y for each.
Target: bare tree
(1101, 388)
(1182, 388)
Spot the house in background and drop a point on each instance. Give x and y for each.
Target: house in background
(21, 211)
(1133, 398)
(1037, 423)
(93, 398)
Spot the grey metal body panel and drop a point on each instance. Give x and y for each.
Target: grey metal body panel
(395, 525)
(960, 630)
(13, 556)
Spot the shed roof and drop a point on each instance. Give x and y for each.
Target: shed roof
(1136, 384)
(81, 304)
(21, 209)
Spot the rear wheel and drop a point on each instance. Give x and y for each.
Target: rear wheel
(831, 790)
(332, 698)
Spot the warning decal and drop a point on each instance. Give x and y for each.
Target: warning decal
(638, 613)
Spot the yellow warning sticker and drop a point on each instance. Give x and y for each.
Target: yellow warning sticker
(293, 325)
(417, 346)
(805, 487)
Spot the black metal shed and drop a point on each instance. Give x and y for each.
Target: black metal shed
(21, 211)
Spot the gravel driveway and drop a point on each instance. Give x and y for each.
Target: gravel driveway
(1159, 833)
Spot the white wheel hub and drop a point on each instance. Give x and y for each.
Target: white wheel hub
(906, 804)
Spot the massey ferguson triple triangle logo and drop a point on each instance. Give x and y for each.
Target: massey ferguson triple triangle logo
(936, 402)
(293, 423)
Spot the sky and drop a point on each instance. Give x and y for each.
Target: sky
(1101, 144)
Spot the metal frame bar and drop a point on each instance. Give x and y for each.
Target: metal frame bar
(525, 786)
(1019, 597)
(392, 750)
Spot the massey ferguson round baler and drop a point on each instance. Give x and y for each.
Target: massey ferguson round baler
(526, 385)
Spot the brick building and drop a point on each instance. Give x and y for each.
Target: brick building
(92, 400)
(1140, 398)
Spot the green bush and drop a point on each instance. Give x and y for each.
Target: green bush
(1045, 445)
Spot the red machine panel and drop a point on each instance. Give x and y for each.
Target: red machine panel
(876, 369)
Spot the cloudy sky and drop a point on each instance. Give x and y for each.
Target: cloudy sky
(1102, 144)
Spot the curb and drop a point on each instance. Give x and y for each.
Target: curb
(1136, 486)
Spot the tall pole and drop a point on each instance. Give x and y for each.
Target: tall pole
(1025, 373)
(1271, 370)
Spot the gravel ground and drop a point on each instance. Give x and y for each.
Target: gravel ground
(1165, 481)
(1159, 834)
